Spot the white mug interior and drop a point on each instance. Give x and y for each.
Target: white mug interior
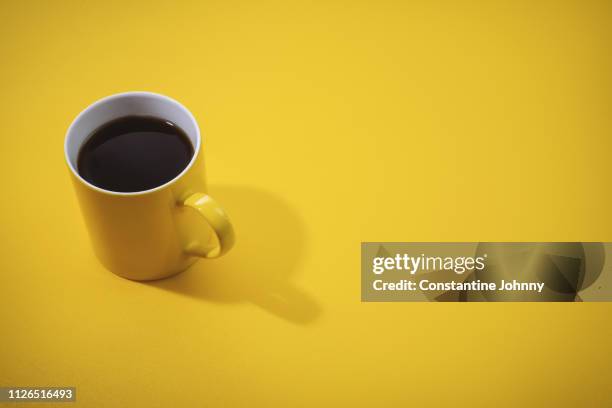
(128, 104)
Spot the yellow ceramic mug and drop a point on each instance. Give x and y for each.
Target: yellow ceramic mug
(156, 233)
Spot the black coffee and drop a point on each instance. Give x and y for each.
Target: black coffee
(134, 153)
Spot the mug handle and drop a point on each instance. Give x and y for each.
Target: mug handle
(218, 220)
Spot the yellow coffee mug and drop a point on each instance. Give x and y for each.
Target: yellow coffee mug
(155, 233)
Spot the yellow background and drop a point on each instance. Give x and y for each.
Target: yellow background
(327, 123)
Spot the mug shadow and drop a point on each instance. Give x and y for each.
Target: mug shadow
(269, 243)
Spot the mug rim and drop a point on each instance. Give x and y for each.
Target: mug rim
(105, 99)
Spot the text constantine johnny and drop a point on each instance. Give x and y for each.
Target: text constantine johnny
(426, 285)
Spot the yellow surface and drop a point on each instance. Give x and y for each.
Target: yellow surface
(327, 124)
